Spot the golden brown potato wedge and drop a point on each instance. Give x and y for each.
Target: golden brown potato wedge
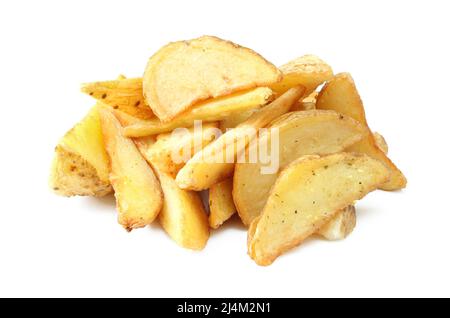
(211, 110)
(340, 226)
(340, 94)
(308, 71)
(221, 205)
(307, 195)
(137, 190)
(300, 133)
(182, 216)
(381, 142)
(170, 151)
(216, 161)
(81, 164)
(122, 94)
(184, 73)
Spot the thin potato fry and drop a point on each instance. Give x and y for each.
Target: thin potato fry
(340, 94)
(211, 110)
(307, 195)
(184, 73)
(221, 205)
(138, 192)
(202, 170)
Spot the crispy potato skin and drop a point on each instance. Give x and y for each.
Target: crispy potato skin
(307, 195)
(199, 174)
(300, 133)
(340, 226)
(340, 94)
(221, 205)
(137, 190)
(179, 74)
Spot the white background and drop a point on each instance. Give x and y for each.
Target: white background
(398, 53)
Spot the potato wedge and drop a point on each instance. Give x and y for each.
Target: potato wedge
(381, 142)
(300, 133)
(184, 73)
(123, 94)
(211, 110)
(137, 190)
(307, 195)
(340, 94)
(340, 226)
(221, 205)
(308, 71)
(216, 161)
(81, 164)
(170, 151)
(182, 216)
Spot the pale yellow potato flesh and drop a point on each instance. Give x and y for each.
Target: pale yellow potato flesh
(221, 205)
(184, 73)
(300, 133)
(201, 171)
(81, 164)
(308, 71)
(340, 94)
(307, 103)
(124, 94)
(182, 215)
(167, 150)
(138, 192)
(307, 195)
(340, 226)
(381, 142)
(235, 119)
(210, 110)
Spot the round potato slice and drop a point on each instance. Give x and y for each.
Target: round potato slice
(300, 133)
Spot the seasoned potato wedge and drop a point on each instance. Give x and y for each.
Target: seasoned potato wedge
(81, 164)
(170, 151)
(340, 226)
(307, 195)
(182, 216)
(340, 94)
(184, 73)
(211, 110)
(308, 71)
(221, 205)
(216, 161)
(138, 192)
(300, 133)
(122, 94)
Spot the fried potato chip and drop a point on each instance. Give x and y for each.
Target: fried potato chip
(308, 71)
(122, 94)
(184, 73)
(307, 195)
(340, 226)
(299, 133)
(213, 164)
(81, 164)
(221, 205)
(340, 94)
(211, 110)
(170, 151)
(138, 192)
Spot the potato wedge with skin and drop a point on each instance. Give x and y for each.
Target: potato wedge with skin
(122, 94)
(221, 205)
(137, 190)
(300, 133)
(308, 71)
(170, 151)
(340, 94)
(340, 226)
(216, 161)
(81, 164)
(307, 195)
(182, 216)
(211, 110)
(184, 73)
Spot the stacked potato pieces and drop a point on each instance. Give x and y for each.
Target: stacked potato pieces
(195, 121)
